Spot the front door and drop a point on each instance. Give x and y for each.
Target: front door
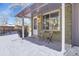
(35, 26)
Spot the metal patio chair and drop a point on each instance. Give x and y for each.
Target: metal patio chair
(50, 36)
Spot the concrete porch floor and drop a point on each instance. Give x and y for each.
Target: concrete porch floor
(13, 45)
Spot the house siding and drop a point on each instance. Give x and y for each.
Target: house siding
(68, 23)
(45, 9)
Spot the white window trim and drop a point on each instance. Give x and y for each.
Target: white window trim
(57, 10)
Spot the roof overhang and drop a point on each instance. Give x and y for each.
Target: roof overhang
(28, 10)
(35, 6)
(24, 12)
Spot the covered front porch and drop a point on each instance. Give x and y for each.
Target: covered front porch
(53, 33)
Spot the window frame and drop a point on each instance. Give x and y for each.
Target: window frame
(49, 13)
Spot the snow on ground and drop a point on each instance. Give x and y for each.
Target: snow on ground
(15, 46)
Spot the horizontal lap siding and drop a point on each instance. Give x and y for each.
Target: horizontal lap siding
(68, 23)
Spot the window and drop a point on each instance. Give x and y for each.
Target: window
(45, 22)
(51, 21)
(35, 23)
(55, 21)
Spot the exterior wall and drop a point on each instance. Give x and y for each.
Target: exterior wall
(45, 9)
(68, 23)
(75, 24)
(50, 7)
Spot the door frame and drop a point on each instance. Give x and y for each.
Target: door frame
(36, 25)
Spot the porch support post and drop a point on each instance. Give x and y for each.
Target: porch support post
(63, 28)
(23, 28)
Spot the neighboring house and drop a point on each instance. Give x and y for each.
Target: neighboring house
(4, 29)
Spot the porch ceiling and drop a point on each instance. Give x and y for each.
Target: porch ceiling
(24, 13)
(33, 7)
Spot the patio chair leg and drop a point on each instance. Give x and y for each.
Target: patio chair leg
(49, 39)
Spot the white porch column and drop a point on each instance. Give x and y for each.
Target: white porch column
(22, 28)
(63, 28)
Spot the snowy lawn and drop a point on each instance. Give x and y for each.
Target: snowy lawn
(15, 46)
